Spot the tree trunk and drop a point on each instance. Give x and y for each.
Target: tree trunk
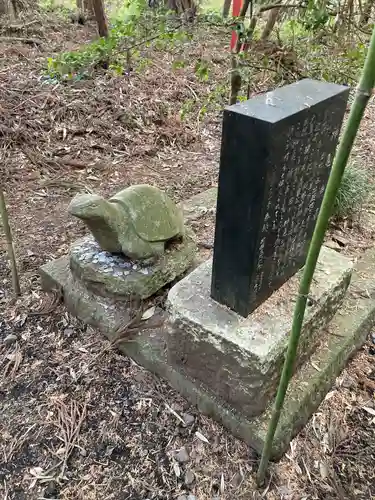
(349, 13)
(236, 78)
(187, 7)
(15, 8)
(271, 21)
(12, 7)
(4, 7)
(100, 18)
(88, 6)
(172, 5)
(226, 8)
(366, 13)
(344, 15)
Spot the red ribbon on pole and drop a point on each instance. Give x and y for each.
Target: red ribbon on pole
(236, 7)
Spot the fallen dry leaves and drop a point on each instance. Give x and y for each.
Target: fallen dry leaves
(78, 420)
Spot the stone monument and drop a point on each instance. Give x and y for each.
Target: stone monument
(231, 317)
(277, 151)
(276, 157)
(228, 322)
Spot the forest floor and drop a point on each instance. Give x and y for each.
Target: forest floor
(79, 420)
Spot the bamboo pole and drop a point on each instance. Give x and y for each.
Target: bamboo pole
(363, 94)
(8, 237)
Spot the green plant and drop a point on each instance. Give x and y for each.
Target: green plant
(212, 16)
(78, 63)
(291, 30)
(315, 17)
(202, 70)
(126, 36)
(187, 108)
(65, 8)
(322, 53)
(178, 64)
(103, 52)
(353, 192)
(212, 102)
(363, 94)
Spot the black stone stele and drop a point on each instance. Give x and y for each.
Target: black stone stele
(276, 155)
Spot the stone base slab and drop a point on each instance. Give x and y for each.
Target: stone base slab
(199, 205)
(112, 275)
(346, 333)
(240, 359)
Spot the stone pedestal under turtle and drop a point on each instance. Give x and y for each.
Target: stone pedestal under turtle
(138, 221)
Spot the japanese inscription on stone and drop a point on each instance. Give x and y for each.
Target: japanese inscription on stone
(277, 151)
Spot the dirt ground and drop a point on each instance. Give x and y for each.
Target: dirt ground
(78, 420)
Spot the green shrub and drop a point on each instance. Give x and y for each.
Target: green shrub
(111, 53)
(353, 193)
(323, 54)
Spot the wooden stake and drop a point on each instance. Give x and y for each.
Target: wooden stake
(8, 237)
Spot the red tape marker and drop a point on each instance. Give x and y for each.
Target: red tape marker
(236, 7)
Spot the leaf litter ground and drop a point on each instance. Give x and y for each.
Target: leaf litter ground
(79, 420)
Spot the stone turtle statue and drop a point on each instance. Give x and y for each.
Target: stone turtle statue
(138, 221)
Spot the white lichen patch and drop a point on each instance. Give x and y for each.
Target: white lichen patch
(88, 252)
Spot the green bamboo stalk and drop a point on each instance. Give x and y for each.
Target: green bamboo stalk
(8, 237)
(363, 94)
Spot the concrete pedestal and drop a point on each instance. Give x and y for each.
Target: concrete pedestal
(240, 359)
(342, 337)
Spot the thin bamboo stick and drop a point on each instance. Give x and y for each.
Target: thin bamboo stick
(9, 240)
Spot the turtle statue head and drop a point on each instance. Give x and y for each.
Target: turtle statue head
(99, 216)
(87, 206)
(138, 221)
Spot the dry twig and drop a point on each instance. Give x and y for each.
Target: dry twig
(16, 444)
(14, 361)
(49, 304)
(28, 41)
(70, 418)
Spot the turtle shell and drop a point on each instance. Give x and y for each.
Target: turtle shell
(154, 215)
